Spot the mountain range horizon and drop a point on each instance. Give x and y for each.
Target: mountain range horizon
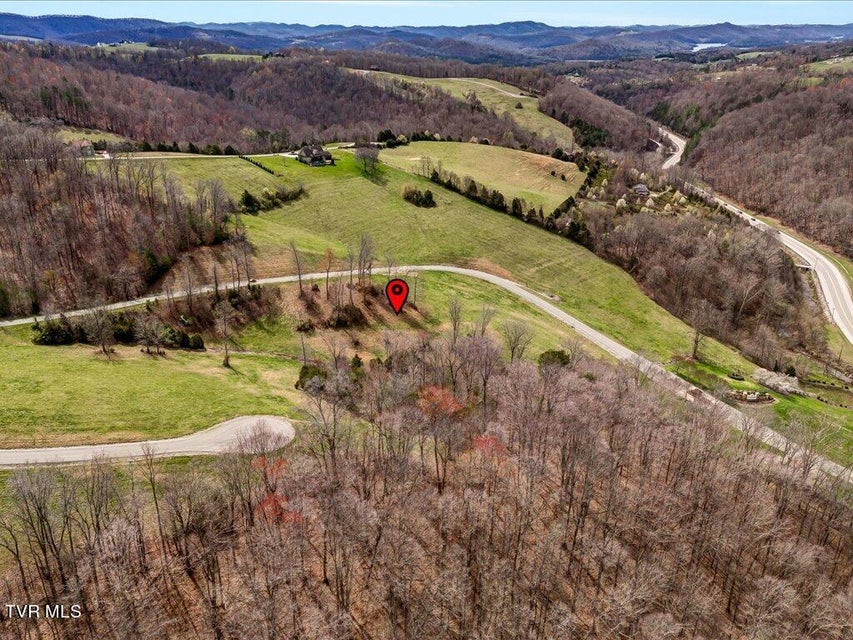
(519, 42)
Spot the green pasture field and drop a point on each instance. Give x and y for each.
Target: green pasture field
(501, 98)
(512, 172)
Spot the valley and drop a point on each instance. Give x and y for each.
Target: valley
(611, 397)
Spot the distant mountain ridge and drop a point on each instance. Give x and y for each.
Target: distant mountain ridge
(518, 42)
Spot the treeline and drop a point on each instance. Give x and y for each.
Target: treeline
(417, 197)
(177, 322)
(269, 198)
(275, 104)
(595, 121)
(72, 233)
(442, 491)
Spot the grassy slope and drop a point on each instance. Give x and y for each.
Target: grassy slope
(512, 172)
(236, 174)
(73, 395)
(342, 204)
(431, 294)
(842, 64)
(501, 98)
(67, 134)
(129, 47)
(231, 56)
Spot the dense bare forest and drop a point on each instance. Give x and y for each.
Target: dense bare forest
(739, 111)
(71, 235)
(275, 104)
(804, 172)
(722, 277)
(684, 98)
(443, 492)
(595, 121)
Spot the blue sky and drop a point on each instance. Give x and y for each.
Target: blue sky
(435, 12)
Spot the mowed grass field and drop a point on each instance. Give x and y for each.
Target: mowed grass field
(73, 395)
(235, 174)
(512, 172)
(499, 97)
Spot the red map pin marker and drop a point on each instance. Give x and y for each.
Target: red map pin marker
(397, 291)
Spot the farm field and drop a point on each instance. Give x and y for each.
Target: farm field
(512, 172)
(501, 98)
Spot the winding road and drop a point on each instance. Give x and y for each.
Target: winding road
(225, 434)
(837, 297)
(679, 142)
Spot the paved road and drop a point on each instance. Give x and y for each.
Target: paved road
(838, 300)
(217, 439)
(655, 371)
(679, 143)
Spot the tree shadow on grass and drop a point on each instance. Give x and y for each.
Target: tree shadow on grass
(413, 319)
(376, 176)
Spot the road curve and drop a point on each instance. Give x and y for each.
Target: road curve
(838, 299)
(217, 439)
(653, 370)
(679, 143)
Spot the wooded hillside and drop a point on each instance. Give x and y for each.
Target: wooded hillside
(790, 157)
(72, 234)
(443, 492)
(253, 106)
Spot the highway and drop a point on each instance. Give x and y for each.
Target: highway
(837, 297)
